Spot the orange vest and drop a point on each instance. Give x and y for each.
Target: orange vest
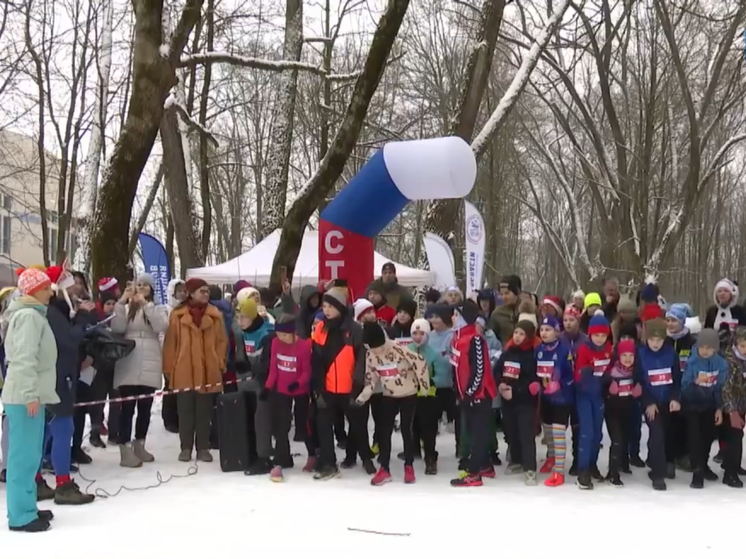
(340, 372)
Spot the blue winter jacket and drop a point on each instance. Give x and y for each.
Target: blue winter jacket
(554, 363)
(658, 374)
(440, 342)
(712, 373)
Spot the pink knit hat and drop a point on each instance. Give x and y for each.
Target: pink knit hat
(32, 280)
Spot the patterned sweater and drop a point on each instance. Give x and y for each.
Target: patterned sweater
(734, 389)
(401, 371)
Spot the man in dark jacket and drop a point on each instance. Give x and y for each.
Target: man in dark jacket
(505, 316)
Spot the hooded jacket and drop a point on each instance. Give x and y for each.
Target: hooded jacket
(306, 311)
(31, 354)
(432, 358)
(517, 368)
(173, 302)
(734, 314)
(554, 363)
(503, 320)
(712, 374)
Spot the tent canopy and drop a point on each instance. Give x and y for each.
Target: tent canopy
(255, 266)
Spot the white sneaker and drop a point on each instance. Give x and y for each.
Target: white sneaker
(531, 478)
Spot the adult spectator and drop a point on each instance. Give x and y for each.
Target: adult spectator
(194, 356)
(392, 290)
(610, 292)
(726, 310)
(505, 317)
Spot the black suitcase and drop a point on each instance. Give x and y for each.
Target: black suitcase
(236, 431)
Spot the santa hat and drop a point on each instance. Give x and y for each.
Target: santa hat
(107, 284)
(553, 302)
(361, 306)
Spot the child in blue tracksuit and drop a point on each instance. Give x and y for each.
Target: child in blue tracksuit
(591, 373)
(702, 402)
(657, 372)
(554, 369)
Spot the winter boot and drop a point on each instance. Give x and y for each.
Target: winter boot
(47, 515)
(698, 480)
(326, 473)
(276, 475)
(684, 464)
(584, 480)
(614, 479)
(185, 455)
(530, 476)
(142, 454)
(96, 441)
(732, 480)
(555, 480)
(260, 467)
(369, 467)
(37, 525)
(636, 461)
(709, 474)
(573, 471)
(43, 491)
(670, 470)
(514, 469)
(204, 456)
(547, 466)
(496, 459)
(127, 457)
(80, 457)
(658, 484)
(596, 475)
(348, 464)
(69, 494)
(431, 467)
(409, 474)
(467, 481)
(311, 464)
(3, 476)
(381, 477)
(488, 472)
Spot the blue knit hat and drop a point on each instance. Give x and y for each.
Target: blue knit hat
(599, 325)
(550, 321)
(678, 313)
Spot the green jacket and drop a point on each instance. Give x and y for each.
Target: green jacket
(31, 353)
(503, 321)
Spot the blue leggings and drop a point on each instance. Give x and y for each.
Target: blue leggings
(60, 430)
(591, 417)
(24, 456)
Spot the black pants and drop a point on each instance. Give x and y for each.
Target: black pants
(478, 416)
(195, 413)
(518, 421)
(427, 416)
(660, 442)
(616, 414)
(575, 428)
(339, 426)
(354, 444)
(143, 405)
(327, 417)
(102, 388)
(170, 410)
(447, 399)
(376, 410)
(391, 408)
(680, 434)
(305, 424)
(733, 448)
(701, 428)
(282, 412)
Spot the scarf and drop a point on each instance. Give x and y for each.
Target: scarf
(620, 371)
(197, 310)
(678, 335)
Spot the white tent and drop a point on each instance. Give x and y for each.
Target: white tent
(255, 266)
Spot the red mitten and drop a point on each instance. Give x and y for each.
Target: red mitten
(736, 421)
(534, 388)
(552, 387)
(637, 391)
(613, 388)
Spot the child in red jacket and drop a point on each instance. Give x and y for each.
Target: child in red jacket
(288, 381)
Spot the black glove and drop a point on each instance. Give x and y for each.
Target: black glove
(264, 394)
(293, 386)
(320, 402)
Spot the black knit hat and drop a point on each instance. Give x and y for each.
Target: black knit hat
(407, 305)
(432, 296)
(373, 335)
(442, 311)
(511, 283)
(528, 327)
(468, 311)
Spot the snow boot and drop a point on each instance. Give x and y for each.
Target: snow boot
(596, 475)
(127, 457)
(514, 469)
(276, 475)
(530, 478)
(43, 491)
(467, 481)
(381, 477)
(96, 441)
(369, 467)
(555, 480)
(684, 464)
(431, 467)
(326, 473)
(710, 475)
(141, 453)
(185, 455)
(47, 515)
(260, 467)
(204, 456)
(698, 480)
(614, 479)
(670, 470)
(37, 525)
(636, 461)
(547, 466)
(79, 456)
(348, 464)
(311, 464)
(658, 484)
(69, 494)
(409, 474)
(584, 480)
(732, 480)
(488, 472)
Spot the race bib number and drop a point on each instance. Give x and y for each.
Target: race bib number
(625, 387)
(403, 341)
(732, 324)
(388, 371)
(512, 369)
(249, 346)
(660, 377)
(544, 369)
(286, 363)
(600, 366)
(707, 378)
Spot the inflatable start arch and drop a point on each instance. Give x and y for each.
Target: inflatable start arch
(400, 172)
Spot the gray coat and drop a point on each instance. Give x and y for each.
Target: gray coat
(144, 366)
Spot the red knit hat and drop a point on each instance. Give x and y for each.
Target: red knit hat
(193, 284)
(651, 311)
(627, 345)
(554, 302)
(32, 281)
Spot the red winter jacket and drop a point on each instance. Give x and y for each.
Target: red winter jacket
(288, 364)
(474, 380)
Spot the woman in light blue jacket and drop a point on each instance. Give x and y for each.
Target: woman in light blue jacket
(31, 353)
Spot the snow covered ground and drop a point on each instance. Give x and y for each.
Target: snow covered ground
(230, 515)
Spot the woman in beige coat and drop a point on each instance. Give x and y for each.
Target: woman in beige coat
(194, 353)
